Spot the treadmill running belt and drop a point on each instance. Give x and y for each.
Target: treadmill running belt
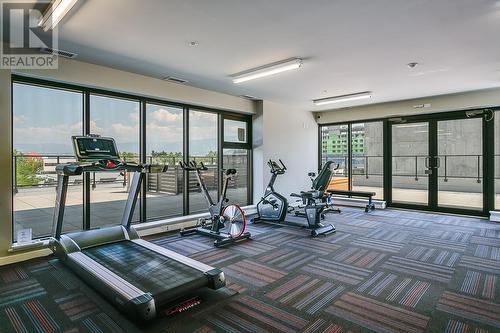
(144, 268)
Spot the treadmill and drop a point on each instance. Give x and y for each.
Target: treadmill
(134, 275)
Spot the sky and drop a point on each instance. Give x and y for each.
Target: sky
(45, 119)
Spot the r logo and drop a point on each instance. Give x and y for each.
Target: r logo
(23, 37)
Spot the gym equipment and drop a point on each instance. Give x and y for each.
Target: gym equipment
(360, 194)
(227, 223)
(314, 201)
(134, 275)
(273, 206)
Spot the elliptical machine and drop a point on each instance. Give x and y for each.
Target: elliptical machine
(227, 223)
(273, 206)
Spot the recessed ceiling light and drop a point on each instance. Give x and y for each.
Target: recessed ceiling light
(343, 98)
(267, 70)
(412, 64)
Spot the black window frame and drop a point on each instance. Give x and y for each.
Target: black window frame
(488, 167)
(238, 145)
(143, 100)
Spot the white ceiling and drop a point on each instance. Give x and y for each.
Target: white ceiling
(348, 46)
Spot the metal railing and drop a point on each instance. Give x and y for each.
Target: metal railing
(40, 170)
(468, 167)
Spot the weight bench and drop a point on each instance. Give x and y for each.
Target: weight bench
(360, 194)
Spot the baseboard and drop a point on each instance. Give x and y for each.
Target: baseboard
(15, 258)
(40, 248)
(495, 216)
(177, 223)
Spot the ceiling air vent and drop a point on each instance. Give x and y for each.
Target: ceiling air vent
(60, 53)
(175, 80)
(249, 97)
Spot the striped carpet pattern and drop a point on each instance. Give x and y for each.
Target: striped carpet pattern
(383, 271)
(376, 315)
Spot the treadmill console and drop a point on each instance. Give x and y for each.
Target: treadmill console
(95, 148)
(96, 154)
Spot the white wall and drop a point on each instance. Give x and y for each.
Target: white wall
(442, 103)
(258, 152)
(289, 134)
(5, 163)
(82, 73)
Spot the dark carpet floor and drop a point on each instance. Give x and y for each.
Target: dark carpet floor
(385, 271)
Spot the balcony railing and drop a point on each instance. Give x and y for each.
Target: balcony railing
(456, 166)
(36, 171)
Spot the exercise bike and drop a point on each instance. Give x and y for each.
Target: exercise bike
(273, 207)
(227, 223)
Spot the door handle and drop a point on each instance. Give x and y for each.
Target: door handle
(428, 168)
(438, 162)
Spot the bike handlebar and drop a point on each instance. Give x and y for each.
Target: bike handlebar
(275, 167)
(282, 164)
(192, 166)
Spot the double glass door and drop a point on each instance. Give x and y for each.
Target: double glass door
(437, 164)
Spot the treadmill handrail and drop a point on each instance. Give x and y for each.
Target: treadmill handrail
(174, 255)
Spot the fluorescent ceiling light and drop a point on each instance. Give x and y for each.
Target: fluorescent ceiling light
(55, 13)
(343, 98)
(267, 70)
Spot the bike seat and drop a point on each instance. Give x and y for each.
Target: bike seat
(230, 172)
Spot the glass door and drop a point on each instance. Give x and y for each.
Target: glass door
(459, 163)
(410, 163)
(437, 164)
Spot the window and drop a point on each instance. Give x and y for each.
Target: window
(238, 159)
(235, 131)
(117, 118)
(236, 154)
(368, 158)
(45, 116)
(335, 149)
(360, 161)
(203, 148)
(164, 142)
(43, 122)
(497, 160)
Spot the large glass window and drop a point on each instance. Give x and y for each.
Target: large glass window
(368, 157)
(334, 147)
(237, 191)
(44, 119)
(164, 141)
(43, 122)
(203, 147)
(117, 118)
(362, 155)
(497, 160)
